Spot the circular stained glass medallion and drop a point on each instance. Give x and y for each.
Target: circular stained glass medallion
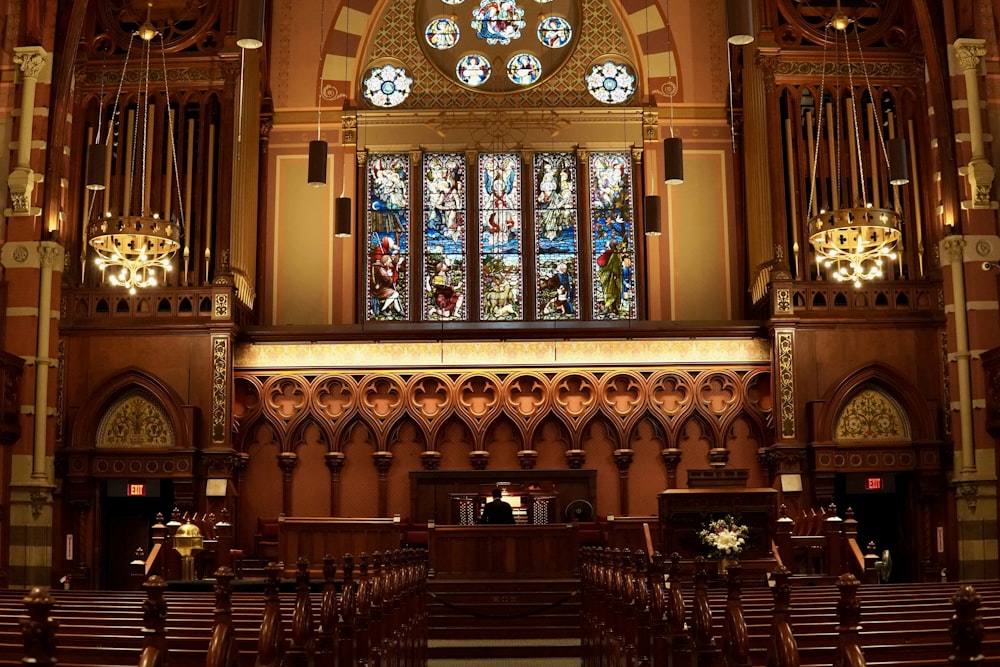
(554, 32)
(473, 69)
(498, 21)
(442, 33)
(387, 86)
(524, 69)
(611, 82)
(452, 2)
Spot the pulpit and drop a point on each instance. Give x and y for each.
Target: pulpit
(685, 512)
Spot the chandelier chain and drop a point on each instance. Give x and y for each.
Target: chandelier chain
(875, 109)
(855, 119)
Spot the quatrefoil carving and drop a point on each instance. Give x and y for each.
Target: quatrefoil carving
(383, 397)
(430, 396)
(526, 395)
(623, 393)
(672, 394)
(575, 394)
(246, 398)
(287, 398)
(478, 395)
(335, 397)
(718, 393)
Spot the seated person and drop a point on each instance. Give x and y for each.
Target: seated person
(497, 511)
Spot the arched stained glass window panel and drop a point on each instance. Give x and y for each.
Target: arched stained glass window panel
(387, 232)
(444, 187)
(613, 236)
(500, 236)
(556, 235)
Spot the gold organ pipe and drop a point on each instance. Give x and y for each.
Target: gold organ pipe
(127, 189)
(873, 151)
(915, 185)
(853, 152)
(832, 157)
(209, 212)
(147, 182)
(89, 200)
(790, 178)
(106, 205)
(168, 180)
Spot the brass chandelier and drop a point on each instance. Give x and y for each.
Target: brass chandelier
(135, 249)
(853, 242)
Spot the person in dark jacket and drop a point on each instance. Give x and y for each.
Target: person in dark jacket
(497, 511)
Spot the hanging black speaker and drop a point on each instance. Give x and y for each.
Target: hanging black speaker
(651, 215)
(250, 24)
(342, 217)
(899, 166)
(673, 161)
(739, 20)
(317, 163)
(97, 155)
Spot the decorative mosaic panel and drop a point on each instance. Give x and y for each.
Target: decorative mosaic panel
(136, 420)
(871, 415)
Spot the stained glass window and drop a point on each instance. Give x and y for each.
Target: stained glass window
(498, 21)
(473, 69)
(554, 32)
(444, 286)
(500, 236)
(524, 69)
(452, 2)
(556, 239)
(613, 236)
(611, 82)
(442, 33)
(387, 86)
(387, 233)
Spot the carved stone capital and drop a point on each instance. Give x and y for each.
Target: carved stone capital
(968, 52)
(527, 458)
(287, 462)
(21, 182)
(334, 461)
(575, 458)
(31, 62)
(479, 459)
(383, 461)
(623, 459)
(671, 458)
(969, 492)
(953, 249)
(980, 174)
(430, 460)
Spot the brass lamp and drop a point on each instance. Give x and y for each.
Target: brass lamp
(188, 540)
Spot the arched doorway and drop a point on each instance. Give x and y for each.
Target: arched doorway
(130, 457)
(875, 452)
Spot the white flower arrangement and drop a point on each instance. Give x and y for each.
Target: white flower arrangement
(724, 537)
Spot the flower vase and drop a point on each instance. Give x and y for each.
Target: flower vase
(725, 562)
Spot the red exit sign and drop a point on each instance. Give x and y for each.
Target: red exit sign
(136, 489)
(874, 484)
